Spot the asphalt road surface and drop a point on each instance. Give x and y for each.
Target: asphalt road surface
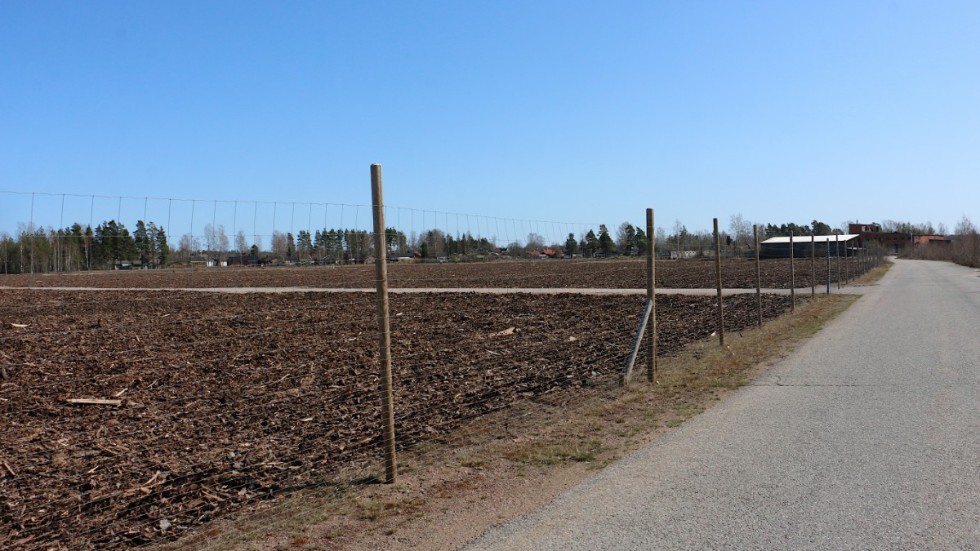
(868, 437)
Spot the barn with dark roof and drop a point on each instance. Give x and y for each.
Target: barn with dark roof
(779, 247)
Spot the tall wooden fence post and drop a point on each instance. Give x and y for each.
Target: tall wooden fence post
(758, 274)
(828, 265)
(648, 320)
(837, 247)
(721, 306)
(792, 274)
(813, 266)
(384, 326)
(651, 296)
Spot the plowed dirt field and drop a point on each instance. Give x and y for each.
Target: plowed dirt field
(551, 273)
(224, 400)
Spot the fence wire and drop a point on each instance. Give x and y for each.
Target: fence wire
(196, 404)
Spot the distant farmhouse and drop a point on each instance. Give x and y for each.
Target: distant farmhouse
(871, 234)
(859, 236)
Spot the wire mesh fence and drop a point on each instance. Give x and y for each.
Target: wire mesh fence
(137, 411)
(44, 232)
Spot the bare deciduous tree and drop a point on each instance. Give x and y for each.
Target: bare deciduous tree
(222, 242)
(185, 247)
(740, 230)
(241, 244)
(280, 245)
(535, 242)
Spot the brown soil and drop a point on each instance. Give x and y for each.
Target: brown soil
(509, 463)
(232, 400)
(551, 273)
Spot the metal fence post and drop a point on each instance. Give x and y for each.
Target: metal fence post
(624, 376)
(651, 297)
(384, 328)
(721, 306)
(758, 274)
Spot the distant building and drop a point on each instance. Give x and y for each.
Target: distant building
(859, 228)
(674, 255)
(127, 265)
(779, 247)
(931, 241)
(871, 234)
(246, 260)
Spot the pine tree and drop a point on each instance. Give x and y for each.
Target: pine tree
(304, 245)
(162, 251)
(141, 238)
(640, 241)
(571, 245)
(606, 245)
(591, 243)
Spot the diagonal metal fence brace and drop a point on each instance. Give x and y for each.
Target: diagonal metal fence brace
(628, 368)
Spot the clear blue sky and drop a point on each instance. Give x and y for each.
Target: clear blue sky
(561, 111)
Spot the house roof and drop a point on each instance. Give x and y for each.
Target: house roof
(806, 238)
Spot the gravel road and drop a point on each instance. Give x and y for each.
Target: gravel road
(868, 437)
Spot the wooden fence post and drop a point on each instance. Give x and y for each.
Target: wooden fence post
(828, 265)
(721, 306)
(758, 274)
(837, 247)
(651, 297)
(813, 266)
(792, 274)
(384, 327)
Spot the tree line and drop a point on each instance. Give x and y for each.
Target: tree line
(112, 245)
(39, 250)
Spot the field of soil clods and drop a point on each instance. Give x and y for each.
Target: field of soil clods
(551, 273)
(225, 399)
